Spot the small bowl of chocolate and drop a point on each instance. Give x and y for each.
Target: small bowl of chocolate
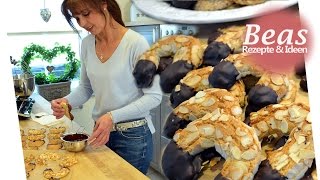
(75, 142)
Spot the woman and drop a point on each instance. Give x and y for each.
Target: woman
(108, 56)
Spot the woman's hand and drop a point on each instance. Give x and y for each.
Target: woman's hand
(101, 131)
(58, 111)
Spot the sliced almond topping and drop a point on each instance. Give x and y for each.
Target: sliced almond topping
(294, 148)
(280, 114)
(294, 112)
(206, 143)
(229, 138)
(207, 116)
(249, 154)
(309, 118)
(206, 130)
(191, 128)
(181, 39)
(228, 98)
(246, 141)
(183, 110)
(219, 134)
(224, 117)
(301, 139)
(306, 154)
(208, 102)
(200, 94)
(277, 79)
(191, 138)
(263, 112)
(307, 128)
(176, 137)
(277, 105)
(192, 100)
(205, 81)
(273, 124)
(282, 164)
(236, 110)
(239, 132)
(236, 152)
(193, 81)
(263, 126)
(294, 157)
(284, 126)
(199, 100)
(215, 114)
(177, 88)
(192, 117)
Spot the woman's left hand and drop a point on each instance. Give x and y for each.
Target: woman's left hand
(101, 131)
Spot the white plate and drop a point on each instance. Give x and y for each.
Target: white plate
(163, 11)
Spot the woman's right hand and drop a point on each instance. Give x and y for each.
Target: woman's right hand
(58, 110)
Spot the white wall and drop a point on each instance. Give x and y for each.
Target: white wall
(125, 9)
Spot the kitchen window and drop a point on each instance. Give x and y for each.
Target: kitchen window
(31, 28)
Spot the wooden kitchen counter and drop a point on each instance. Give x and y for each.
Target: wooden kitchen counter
(96, 164)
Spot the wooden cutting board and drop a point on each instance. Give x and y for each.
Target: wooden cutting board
(98, 164)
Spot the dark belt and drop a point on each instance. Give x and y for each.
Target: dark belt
(123, 126)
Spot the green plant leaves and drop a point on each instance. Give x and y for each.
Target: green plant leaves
(34, 51)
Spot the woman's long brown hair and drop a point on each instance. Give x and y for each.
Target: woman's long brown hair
(70, 6)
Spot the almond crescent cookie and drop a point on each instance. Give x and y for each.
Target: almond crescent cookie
(249, 2)
(242, 63)
(233, 139)
(212, 5)
(296, 156)
(233, 36)
(280, 83)
(67, 110)
(181, 47)
(197, 80)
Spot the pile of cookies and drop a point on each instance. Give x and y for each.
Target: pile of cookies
(36, 138)
(48, 162)
(213, 5)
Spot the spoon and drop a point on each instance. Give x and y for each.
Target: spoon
(41, 114)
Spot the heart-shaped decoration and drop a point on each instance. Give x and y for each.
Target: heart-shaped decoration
(50, 68)
(45, 14)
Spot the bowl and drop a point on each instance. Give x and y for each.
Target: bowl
(75, 142)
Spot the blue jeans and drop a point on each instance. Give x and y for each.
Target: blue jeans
(134, 145)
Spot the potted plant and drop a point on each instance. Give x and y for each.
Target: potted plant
(51, 85)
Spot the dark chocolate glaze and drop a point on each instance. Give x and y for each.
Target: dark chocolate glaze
(180, 165)
(249, 82)
(185, 93)
(163, 63)
(260, 96)
(224, 75)
(281, 142)
(300, 69)
(174, 72)
(265, 172)
(184, 4)
(144, 73)
(173, 123)
(75, 137)
(220, 177)
(304, 83)
(215, 52)
(213, 37)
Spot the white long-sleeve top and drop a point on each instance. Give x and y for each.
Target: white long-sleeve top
(113, 83)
